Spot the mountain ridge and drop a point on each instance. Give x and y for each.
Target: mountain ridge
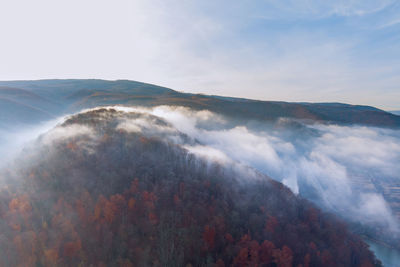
(73, 95)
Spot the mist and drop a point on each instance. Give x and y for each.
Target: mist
(14, 139)
(341, 168)
(103, 174)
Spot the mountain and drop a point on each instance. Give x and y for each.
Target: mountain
(19, 107)
(119, 188)
(395, 112)
(75, 95)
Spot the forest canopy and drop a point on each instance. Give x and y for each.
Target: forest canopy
(115, 188)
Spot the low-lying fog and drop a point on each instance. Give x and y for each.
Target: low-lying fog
(342, 168)
(13, 140)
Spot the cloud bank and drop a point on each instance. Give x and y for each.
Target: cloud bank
(347, 170)
(341, 168)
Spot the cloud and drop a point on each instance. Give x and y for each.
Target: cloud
(335, 166)
(341, 168)
(66, 132)
(209, 153)
(13, 141)
(358, 147)
(375, 208)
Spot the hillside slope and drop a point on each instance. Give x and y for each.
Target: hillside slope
(113, 188)
(75, 95)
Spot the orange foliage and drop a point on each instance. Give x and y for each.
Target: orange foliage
(118, 200)
(110, 209)
(131, 203)
(26, 245)
(72, 146)
(20, 205)
(51, 257)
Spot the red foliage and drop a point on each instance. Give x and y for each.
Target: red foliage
(272, 222)
(71, 249)
(254, 249)
(72, 146)
(149, 196)
(134, 186)
(284, 257)
(307, 260)
(209, 236)
(177, 201)
(229, 238)
(327, 259)
(266, 252)
(366, 264)
(241, 258)
(153, 218)
(219, 263)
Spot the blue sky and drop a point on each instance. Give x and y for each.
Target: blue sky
(305, 50)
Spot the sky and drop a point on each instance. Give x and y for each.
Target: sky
(305, 50)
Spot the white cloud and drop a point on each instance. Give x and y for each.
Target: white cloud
(374, 208)
(323, 162)
(326, 163)
(209, 153)
(12, 142)
(67, 132)
(323, 165)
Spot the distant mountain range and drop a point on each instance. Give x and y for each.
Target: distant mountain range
(24, 102)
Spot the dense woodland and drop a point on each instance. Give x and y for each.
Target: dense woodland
(134, 199)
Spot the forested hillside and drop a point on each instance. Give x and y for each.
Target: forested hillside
(113, 188)
(57, 97)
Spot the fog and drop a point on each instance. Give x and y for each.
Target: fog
(102, 183)
(341, 168)
(335, 166)
(13, 140)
